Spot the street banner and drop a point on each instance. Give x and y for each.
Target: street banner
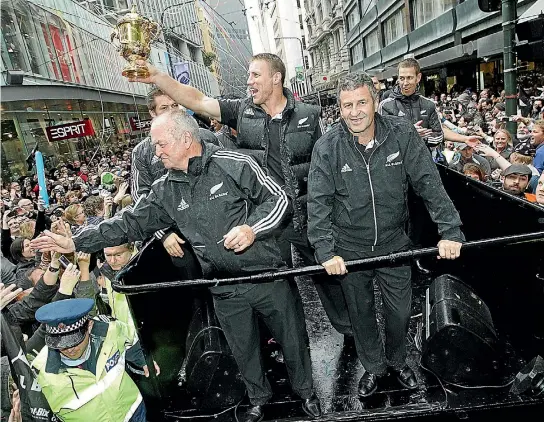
(299, 73)
(181, 72)
(137, 124)
(70, 130)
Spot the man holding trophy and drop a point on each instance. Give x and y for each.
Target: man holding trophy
(267, 73)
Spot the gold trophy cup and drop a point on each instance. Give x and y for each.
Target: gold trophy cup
(135, 34)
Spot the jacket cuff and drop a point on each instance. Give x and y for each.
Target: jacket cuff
(454, 234)
(161, 234)
(324, 252)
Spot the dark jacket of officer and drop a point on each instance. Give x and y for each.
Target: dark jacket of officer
(300, 129)
(221, 190)
(414, 108)
(360, 204)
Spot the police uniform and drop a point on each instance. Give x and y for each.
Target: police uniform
(95, 386)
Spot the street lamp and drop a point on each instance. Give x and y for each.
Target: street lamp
(301, 56)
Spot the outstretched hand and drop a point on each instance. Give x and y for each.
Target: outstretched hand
(51, 242)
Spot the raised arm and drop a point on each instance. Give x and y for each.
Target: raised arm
(185, 95)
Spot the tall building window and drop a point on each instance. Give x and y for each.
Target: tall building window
(352, 19)
(356, 53)
(372, 44)
(394, 27)
(427, 10)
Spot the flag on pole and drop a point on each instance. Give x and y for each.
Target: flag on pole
(181, 70)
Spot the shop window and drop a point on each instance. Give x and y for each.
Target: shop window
(13, 50)
(372, 43)
(13, 152)
(394, 27)
(426, 10)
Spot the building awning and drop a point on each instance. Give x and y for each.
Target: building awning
(490, 45)
(447, 56)
(532, 12)
(66, 92)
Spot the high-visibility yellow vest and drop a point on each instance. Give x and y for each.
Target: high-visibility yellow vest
(78, 395)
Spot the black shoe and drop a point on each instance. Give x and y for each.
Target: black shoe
(367, 384)
(312, 407)
(254, 414)
(407, 378)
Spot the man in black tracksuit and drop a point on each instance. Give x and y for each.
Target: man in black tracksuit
(279, 133)
(358, 180)
(407, 103)
(227, 208)
(146, 167)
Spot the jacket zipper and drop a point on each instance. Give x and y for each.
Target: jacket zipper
(371, 189)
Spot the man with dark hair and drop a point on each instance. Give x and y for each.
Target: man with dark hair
(407, 103)
(280, 133)
(358, 178)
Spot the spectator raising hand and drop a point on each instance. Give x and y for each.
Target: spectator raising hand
(69, 279)
(51, 242)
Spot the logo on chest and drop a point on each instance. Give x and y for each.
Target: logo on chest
(389, 161)
(111, 362)
(183, 205)
(214, 191)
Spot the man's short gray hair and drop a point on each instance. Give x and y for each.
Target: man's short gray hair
(179, 123)
(352, 81)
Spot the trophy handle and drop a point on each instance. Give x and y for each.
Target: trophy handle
(154, 31)
(114, 34)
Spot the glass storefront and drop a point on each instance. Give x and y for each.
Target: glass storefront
(22, 130)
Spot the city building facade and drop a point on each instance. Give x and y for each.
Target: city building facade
(327, 42)
(59, 67)
(278, 27)
(457, 45)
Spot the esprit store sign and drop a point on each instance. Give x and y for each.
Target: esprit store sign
(70, 130)
(137, 124)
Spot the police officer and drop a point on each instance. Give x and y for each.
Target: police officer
(82, 367)
(280, 133)
(227, 207)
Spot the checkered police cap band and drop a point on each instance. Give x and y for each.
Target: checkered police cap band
(62, 329)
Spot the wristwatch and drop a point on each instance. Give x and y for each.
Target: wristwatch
(52, 269)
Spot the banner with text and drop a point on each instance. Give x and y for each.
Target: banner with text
(137, 124)
(70, 130)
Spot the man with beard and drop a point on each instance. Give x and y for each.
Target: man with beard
(515, 179)
(359, 174)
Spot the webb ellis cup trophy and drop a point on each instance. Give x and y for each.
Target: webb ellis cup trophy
(135, 34)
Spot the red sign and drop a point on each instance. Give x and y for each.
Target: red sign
(70, 130)
(137, 124)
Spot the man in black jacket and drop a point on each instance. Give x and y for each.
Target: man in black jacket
(407, 103)
(358, 180)
(279, 133)
(227, 208)
(146, 168)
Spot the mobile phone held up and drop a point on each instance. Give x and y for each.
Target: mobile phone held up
(64, 261)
